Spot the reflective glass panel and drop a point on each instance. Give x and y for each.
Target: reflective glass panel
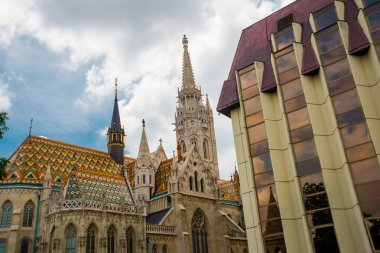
(259, 148)
(264, 179)
(374, 20)
(307, 167)
(337, 70)
(292, 89)
(312, 179)
(250, 91)
(295, 103)
(257, 133)
(346, 101)
(298, 118)
(289, 75)
(247, 79)
(360, 152)
(350, 117)
(305, 150)
(371, 208)
(300, 134)
(329, 42)
(252, 105)
(365, 171)
(324, 240)
(262, 163)
(272, 227)
(368, 191)
(285, 40)
(373, 226)
(286, 62)
(319, 217)
(326, 19)
(355, 135)
(255, 119)
(333, 56)
(341, 85)
(317, 201)
(263, 194)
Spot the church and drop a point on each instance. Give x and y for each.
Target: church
(60, 197)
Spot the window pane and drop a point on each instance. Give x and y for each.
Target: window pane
(326, 19)
(263, 194)
(286, 62)
(289, 75)
(247, 79)
(307, 167)
(346, 101)
(360, 152)
(313, 179)
(355, 134)
(262, 163)
(272, 227)
(374, 231)
(350, 117)
(292, 89)
(333, 56)
(318, 201)
(371, 208)
(257, 133)
(259, 148)
(252, 105)
(285, 40)
(341, 85)
(337, 70)
(365, 171)
(255, 119)
(300, 134)
(298, 118)
(329, 42)
(305, 150)
(250, 92)
(324, 240)
(368, 191)
(374, 21)
(319, 218)
(264, 179)
(295, 103)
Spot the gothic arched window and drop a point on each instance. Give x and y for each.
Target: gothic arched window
(28, 214)
(205, 149)
(199, 233)
(143, 179)
(183, 145)
(24, 246)
(202, 185)
(154, 248)
(2, 247)
(90, 238)
(111, 237)
(191, 183)
(165, 249)
(196, 180)
(150, 179)
(130, 237)
(245, 251)
(6, 216)
(138, 180)
(71, 238)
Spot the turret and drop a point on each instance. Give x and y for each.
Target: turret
(116, 134)
(144, 171)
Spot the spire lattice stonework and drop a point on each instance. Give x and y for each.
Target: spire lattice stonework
(188, 80)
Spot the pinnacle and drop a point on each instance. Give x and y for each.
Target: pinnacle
(188, 80)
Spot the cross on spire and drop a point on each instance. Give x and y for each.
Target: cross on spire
(30, 127)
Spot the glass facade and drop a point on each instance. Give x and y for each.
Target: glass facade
(360, 152)
(373, 19)
(262, 167)
(305, 153)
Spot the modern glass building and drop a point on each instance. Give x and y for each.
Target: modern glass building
(303, 95)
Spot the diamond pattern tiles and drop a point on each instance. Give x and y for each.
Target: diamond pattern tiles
(162, 176)
(95, 186)
(35, 154)
(228, 190)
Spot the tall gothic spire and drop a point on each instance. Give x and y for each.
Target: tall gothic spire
(116, 133)
(143, 158)
(187, 70)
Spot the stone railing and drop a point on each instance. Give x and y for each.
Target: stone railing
(159, 229)
(85, 204)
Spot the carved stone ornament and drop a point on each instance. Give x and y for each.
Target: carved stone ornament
(123, 243)
(82, 241)
(56, 243)
(103, 242)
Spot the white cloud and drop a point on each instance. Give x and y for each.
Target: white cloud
(5, 100)
(140, 43)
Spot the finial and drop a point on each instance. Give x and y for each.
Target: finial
(184, 41)
(30, 127)
(160, 140)
(143, 123)
(115, 87)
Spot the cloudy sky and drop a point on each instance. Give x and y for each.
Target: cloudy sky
(59, 59)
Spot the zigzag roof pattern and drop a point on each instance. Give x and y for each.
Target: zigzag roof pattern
(229, 190)
(36, 154)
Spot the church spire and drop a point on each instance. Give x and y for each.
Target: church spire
(187, 70)
(116, 133)
(143, 158)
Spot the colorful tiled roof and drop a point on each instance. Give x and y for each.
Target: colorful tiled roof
(32, 158)
(97, 186)
(162, 176)
(229, 190)
(131, 172)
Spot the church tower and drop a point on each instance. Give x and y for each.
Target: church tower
(144, 171)
(116, 134)
(194, 120)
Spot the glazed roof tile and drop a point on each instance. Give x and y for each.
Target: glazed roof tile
(228, 190)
